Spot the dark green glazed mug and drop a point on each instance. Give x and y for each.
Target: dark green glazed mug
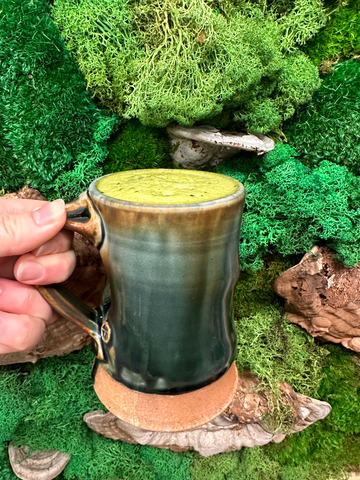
(172, 270)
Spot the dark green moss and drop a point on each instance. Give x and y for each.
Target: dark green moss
(328, 128)
(52, 136)
(341, 35)
(42, 406)
(137, 146)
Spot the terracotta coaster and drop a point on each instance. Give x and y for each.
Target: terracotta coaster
(166, 412)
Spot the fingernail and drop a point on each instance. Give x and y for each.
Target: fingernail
(48, 247)
(29, 271)
(49, 213)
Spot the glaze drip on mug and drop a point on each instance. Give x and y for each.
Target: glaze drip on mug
(167, 187)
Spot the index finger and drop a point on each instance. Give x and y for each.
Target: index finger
(23, 232)
(9, 206)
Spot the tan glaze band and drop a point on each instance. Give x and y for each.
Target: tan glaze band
(163, 413)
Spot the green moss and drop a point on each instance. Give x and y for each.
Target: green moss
(185, 62)
(42, 406)
(328, 447)
(322, 451)
(340, 37)
(52, 137)
(291, 207)
(329, 127)
(6, 472)
(137, 146)
(216, 467)
(248, 464)
(270, 347)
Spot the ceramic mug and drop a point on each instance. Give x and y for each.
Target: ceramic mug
(172, 269)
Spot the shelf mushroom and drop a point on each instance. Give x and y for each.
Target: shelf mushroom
(197, 146)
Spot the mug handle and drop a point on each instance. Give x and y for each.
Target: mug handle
(82, 217)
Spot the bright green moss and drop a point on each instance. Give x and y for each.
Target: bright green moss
(340, 37)
(185, 62)
(291, 207)
(42, 406)
(329, 127)
(268, 346)
(322, 451)
(331, 445)
(52, 137)
(216, 467)
(137, 146)
(6, 472)
(12, 403)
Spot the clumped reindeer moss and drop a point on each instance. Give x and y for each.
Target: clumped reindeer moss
(137, 146)
(185, 61)
(52, 137)
(270, 347)
(290, 207)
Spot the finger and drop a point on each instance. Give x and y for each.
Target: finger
(20, 332)
(23, 299)
(46, 269)
(7, 266)
(5, 349)
(23, 232)
(59, 244)
(9, 206)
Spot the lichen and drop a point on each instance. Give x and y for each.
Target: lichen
(185, 61)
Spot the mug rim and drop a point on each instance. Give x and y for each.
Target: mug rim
(94, 193)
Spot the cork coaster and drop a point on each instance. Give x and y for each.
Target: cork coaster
(164, 413)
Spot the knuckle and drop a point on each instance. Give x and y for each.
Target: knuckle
(28, 301)
(23, 340)
(31, 333)
(70, 262)
(8, 228)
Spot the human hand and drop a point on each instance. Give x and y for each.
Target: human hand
(30, 226)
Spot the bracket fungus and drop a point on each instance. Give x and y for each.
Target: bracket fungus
(242, 424)
(197, 146)
(323, 297)
(40, 465)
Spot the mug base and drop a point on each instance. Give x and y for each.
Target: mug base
(166, 413)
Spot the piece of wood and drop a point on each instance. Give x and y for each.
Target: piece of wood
(40, 465)
(241, 425)
(323, 296)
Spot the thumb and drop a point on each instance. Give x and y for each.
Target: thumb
(21, 233)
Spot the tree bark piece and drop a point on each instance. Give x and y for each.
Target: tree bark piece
(323, 296)
(40, 465)
(197, 146)
(241, 425)
(87, 282)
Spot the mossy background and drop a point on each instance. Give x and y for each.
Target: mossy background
(91, 93)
